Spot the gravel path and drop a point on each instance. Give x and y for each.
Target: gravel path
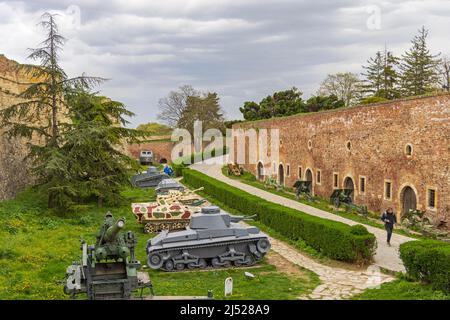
(385, 257)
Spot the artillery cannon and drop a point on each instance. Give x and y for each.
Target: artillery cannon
(108, 269)
(213, 238)
(234, 169)
(149, 178)
(303, 188)
(345, 197)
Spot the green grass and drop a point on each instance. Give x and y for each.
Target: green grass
(37, 246)
(318, 203)
(267, 284)
(401, 289)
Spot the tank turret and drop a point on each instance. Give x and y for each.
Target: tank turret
(213, 238)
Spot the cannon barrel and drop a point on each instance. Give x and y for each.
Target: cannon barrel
(112, 231)
(241, 218)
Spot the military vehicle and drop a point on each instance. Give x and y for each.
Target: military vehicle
(214, 238)
(149, 178)
(163, 215)
(108, 269)
(168, 184)
(186, 197)
(146, 157)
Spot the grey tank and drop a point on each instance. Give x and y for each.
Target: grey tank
(149, 178)
(213, 238)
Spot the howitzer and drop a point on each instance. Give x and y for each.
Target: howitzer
(108, 269)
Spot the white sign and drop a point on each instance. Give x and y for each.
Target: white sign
(228, 286)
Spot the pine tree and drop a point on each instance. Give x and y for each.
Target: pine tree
(419, 67)
(37, 117)
(95, 165)
(381, 75)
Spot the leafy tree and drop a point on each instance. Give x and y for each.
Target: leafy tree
(282, 103)
(318, 103)
(172, 106)
(250, 111)
(206, 109)
(155, 129)
(345, 86)
(381, 76)
(38, 116)
(92, 160)
(419, 67)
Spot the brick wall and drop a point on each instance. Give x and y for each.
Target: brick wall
(371, 142)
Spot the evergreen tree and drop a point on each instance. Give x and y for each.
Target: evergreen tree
(381, 75)
(37, 117)
(419, 67)
(93, 160)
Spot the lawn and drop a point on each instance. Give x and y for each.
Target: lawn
(401, 289)
(37, 246)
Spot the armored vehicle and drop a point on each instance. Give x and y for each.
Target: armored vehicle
(186, 197)
(108, 269)
(149, 178)
(163, 215)
(214, 238)
(168, 184)
(146, 157)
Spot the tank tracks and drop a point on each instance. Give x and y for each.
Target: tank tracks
(158, 226)
(166, 259)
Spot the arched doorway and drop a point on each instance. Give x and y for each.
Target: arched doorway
(349, 184)
(281, 174)
(260, 171)
(409, 199)
(309, 177)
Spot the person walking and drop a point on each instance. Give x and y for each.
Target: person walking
(389, 219)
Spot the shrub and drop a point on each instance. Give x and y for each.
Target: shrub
(428, 261)
(358, 229)
(334, 239)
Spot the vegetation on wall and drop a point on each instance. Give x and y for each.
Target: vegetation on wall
(334, 239)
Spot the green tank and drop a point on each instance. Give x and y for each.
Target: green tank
(108, 269)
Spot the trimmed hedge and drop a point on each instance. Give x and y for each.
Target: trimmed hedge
(334, 239)
(428, 261)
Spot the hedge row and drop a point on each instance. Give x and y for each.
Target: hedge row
(428, 261)
(334, 239)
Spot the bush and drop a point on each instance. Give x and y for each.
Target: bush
(428, 261)
(334, 239)
(358, 229)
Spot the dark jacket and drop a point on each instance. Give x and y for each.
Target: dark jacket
(389, 218)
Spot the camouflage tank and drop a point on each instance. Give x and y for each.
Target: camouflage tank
(163, 215)
(108, 269)
(186, 197)
(149, 178)
(213, 238)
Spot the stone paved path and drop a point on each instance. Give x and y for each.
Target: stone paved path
(336, 283)
(385, 256)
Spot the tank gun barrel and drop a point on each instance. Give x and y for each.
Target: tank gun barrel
(242, 218)
(112, 231)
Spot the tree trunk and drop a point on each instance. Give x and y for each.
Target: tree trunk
(100, 202)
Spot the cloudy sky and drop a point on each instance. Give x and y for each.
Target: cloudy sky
(242, 49)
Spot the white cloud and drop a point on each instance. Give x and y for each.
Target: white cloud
(244, 50)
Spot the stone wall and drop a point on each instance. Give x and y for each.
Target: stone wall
(14, 175)
(372, 143)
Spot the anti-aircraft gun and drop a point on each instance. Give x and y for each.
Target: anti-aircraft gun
(108, 269)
